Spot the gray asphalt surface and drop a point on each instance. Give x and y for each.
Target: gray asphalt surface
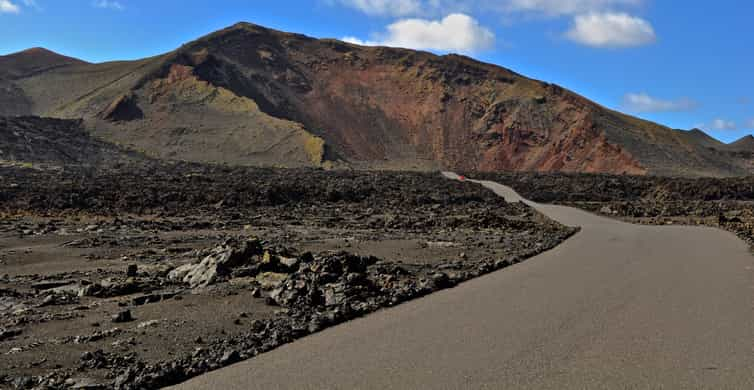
(618, 306)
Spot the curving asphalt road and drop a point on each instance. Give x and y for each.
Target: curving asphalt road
(618, 306)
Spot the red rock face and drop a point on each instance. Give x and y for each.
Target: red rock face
(459, 126)
(376, 104)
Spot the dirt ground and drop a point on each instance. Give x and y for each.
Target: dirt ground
(141, 278)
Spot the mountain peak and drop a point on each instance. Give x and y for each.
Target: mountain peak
(245, 25)
(239, 29)
(746, 138)
(29, 51)
(743, 144)
(37, 50)
(36, 56)
(700, 133)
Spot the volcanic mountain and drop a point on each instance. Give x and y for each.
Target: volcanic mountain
(255, 96)
(26, 64)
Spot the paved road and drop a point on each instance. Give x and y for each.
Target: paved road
(618, 306)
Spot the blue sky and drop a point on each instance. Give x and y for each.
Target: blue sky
(683, 64)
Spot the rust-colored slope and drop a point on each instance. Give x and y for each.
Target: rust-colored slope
(376, 104)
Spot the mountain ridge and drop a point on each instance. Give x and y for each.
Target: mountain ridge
(743, 144)
(256, 96)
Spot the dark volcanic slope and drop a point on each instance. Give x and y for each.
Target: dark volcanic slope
(255, 96)
(58, 142)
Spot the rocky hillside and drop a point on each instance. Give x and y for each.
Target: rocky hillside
(254, 96)
(31, 141)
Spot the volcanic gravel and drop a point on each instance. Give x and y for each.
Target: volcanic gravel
(727, 203)
(145, 276)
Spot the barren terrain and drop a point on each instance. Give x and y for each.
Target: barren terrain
(143, 277)
(617, 306)
(727, 203)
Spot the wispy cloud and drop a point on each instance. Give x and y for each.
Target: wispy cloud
(643, 102)
(722, 124)
(386, 7)
(109, 4)
(553, 8)
(565, 7)
(750, 123)
(455, 32)
(17, 6)
(610, 30)
(7, 7)
(409, 8)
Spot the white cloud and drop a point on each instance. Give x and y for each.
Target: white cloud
(642, 102)
(611, 30)
(386, 7)
(565, 7)
(598, 23)
(722, 124)
(750, 123)
(109, 4)
(455, 32)
(404, 8)
(7, 7)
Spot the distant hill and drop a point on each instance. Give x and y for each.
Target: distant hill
(29, 62)
(745, 144)
(26, 64)
(255, 96)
